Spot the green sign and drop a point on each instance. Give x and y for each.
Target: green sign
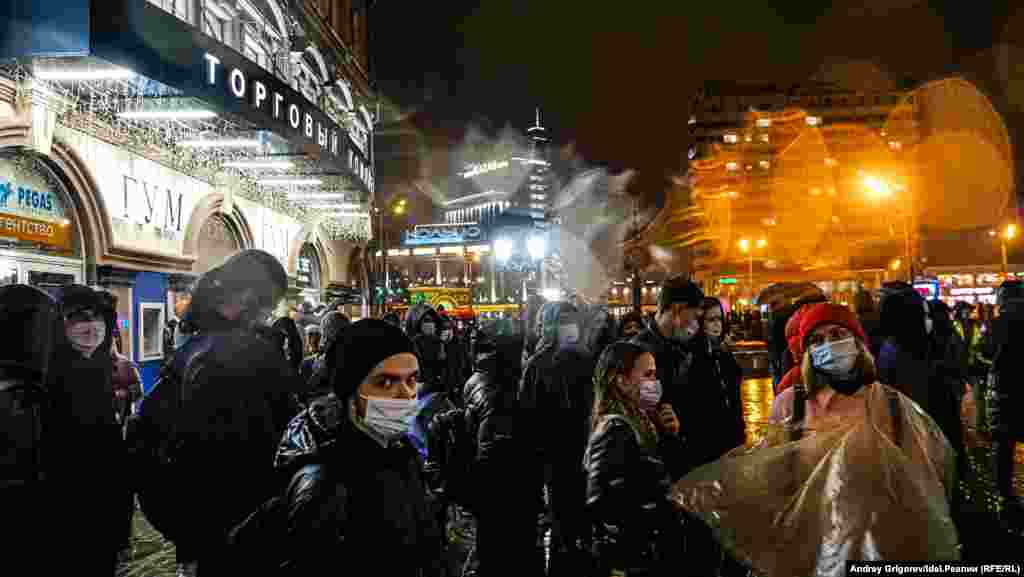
(726, 281)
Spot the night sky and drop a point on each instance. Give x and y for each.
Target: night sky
(616, 77)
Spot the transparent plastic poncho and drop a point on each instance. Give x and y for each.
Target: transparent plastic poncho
(842, 491)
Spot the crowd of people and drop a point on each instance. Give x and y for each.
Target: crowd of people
(283, 446)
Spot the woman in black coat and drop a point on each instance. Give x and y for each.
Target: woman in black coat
(629, 460)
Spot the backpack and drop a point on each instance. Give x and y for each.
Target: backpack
(30, 319)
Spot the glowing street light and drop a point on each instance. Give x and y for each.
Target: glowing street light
(745, 247)
(503, 249)
(1008, 234)
(877, 186)
(535, 246)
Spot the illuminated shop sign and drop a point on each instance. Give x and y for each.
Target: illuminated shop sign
(30, 213)
(956, 292)
(433, 234)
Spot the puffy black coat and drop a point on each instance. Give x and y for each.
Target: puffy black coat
(207, 435)
(556, 394)
(489, 398)
(86, 458)
(711, 418)
(635, 525)
(352, 501)
(429, 350)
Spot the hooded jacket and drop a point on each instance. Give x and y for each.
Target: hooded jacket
(227, 392)
(429, 349)
(490, 403)
(556, 387)
(87, 456)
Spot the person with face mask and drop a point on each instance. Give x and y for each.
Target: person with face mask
(422, 325)
(848, 471)
(633, 450)
(86, 457)
(364, 487)
(668, 337)
(555, 395)
(208, 428)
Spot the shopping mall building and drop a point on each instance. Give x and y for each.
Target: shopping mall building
(142, 142)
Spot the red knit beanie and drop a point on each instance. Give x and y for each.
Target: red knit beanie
(825, 314)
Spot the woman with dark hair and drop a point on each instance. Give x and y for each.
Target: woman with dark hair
(633, 450)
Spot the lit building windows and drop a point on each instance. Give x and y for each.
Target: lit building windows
(764, 122)
(731, 138)
(764, 164)
(732, 166)
(813, 121)
(764, 138)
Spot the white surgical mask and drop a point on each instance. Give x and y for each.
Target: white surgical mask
(389, 418)
(427, 328)
(86, 337)
(568, 334)
(837, 358)
(650, 395)
(928, 325)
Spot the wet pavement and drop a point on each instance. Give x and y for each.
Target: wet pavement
(152, 556)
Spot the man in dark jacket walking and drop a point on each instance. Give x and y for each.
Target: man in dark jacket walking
(1006, 400)
(555, 397)
(209, 427)
(506, 526)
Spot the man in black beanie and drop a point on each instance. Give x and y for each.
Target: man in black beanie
(208, 429)
(356, 479)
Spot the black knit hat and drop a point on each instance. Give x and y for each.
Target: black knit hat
(359, 349)
(76, 297)
(680, 290)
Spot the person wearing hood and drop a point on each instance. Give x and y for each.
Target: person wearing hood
(1006, 401)
(455, 359)
(911, 361)
(555, 395)
(506, 527)
(87, 458)
(599, 330)
(422, 325)
(850, 469)
(209, 427)
(356, 482)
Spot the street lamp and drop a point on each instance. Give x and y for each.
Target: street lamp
(879, 187)
(397, 208)
(1008, 234)
(747, 249)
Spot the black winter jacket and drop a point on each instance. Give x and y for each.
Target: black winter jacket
(628, 494)
(207, 433)
(556, 395)
(711, 418)
(350, 500)
(489, 398)
(673, 360)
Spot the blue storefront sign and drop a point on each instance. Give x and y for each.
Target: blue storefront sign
(441, 234)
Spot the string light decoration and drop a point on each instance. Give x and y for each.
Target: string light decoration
(93, 104)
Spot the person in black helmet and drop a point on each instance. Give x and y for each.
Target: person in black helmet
(210, 425)
(357, 486)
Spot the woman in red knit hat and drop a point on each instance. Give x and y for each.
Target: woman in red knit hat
(852, 469)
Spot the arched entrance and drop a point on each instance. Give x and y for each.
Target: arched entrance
(309, 274)
(218, 239)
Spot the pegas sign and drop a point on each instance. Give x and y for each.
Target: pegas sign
(29, 212)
